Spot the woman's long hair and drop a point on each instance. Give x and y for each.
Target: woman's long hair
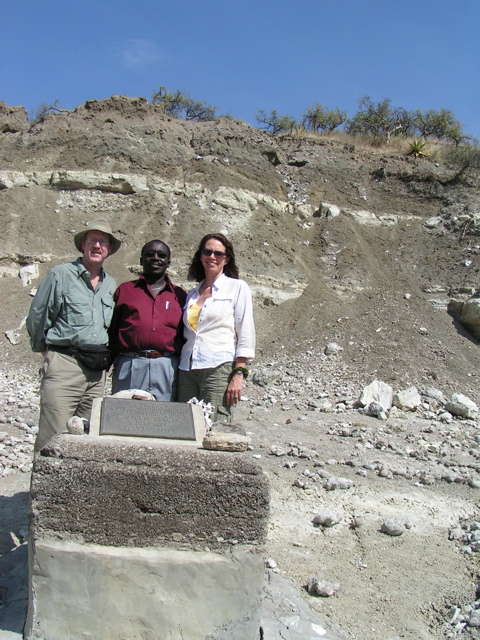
(196, 271)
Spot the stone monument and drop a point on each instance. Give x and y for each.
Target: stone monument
(138, 538)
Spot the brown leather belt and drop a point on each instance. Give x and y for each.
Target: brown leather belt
(147, 354)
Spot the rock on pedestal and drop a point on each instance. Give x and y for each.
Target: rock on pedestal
(137, 541)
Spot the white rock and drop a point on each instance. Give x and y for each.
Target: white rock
(433, 222)
(226, 442)
(277, 450)
(460, 405)
(320, 587)
(319, 630)
(393, 527)
(362, 217)
(408, 399)
(329, 210)
(75, 426)
(332, 349)
(134, 394)
(434, 394)
(327, 518)
(377, 391)
(474, 619)
(338, 483)
(28, 273)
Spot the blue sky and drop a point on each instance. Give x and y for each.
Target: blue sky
(246, 55)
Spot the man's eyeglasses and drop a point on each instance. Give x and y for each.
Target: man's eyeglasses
(217, 254)
(102, 243)
(151, 254)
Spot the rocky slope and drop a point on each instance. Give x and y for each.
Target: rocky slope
(342, 244)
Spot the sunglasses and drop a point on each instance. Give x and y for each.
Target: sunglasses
(151, 254)
(217, 254)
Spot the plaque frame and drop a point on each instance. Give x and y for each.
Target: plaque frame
(192, 423)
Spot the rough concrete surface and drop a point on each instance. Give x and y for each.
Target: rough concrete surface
(107, 492)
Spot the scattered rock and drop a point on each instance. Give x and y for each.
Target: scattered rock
(474, 619)
(134, 394)
(377, 410)
(319, 587)
(377, 392)
(467, 313)
(393, 527)
(327, 518)
(277, 450)
(338, 483)
(76, 426)
(407, 400)
(460, 405)
(333, 349)
(226, 442)
(28, 273)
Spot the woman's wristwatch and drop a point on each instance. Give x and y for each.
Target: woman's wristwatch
(242, 370)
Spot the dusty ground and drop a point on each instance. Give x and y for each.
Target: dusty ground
(389, 587)
(315, 280)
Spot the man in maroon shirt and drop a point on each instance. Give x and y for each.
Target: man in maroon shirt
(146, 333)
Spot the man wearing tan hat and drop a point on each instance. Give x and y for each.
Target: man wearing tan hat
(67, 323)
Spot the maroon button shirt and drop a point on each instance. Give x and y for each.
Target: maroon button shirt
(141, 322)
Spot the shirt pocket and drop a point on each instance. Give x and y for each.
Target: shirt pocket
(218, 311)
(78, 314)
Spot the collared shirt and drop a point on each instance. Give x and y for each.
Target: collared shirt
(142, 321)
(225, 326)
(67, 312)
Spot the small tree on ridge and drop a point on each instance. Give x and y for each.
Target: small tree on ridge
(179, 104)
(318, 118)
(275, 123)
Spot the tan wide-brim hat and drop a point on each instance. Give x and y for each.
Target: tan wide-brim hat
(97, 225)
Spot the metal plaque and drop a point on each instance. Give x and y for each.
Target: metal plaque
(145, 419)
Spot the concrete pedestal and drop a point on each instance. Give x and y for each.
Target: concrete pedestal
(144, 542)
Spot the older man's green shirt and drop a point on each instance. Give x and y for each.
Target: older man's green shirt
(67, 311)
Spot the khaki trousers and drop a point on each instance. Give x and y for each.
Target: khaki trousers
(67, 389)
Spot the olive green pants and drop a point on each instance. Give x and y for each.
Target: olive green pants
(208, 385)
(67, 389)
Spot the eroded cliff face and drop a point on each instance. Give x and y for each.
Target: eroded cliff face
(353, 255)
(374, 272)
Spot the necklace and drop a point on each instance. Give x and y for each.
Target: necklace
(158, 288)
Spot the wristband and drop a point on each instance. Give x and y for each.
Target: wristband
(242, 370)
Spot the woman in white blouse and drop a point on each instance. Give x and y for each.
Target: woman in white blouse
(219, 329)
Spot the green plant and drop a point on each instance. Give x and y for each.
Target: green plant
(298, 132)
(380, 120)
(179, 104)
(275, 123)
(417, 148)
(318, 118)
(465, 158)
(438, 124)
